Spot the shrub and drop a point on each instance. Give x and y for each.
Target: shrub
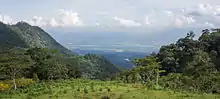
(92, 85)
(72, 86)
(108, 89)
(24, 82)
(4, 87)
(65, 91)
(35, 77)
(120, 96)
(208, 84)
(85, 91)
(105, 97)
(29, 97)
(78, 89)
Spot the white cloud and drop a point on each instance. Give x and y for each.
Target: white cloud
(147, 21)
(210, 25)
(66, 18)
(127, 23)
(202, 10)
(189, 20)
(6, 19)
(53, 23)
(178, 22)
(69, 18)
(97, 24)
(187, 16)
(37, 21)
(217, 11)
(169, 13)
(204, 7)
(183, 20)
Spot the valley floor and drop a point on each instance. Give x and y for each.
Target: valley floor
(90, 89)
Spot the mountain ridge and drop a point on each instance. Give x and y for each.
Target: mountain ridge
(24, 35)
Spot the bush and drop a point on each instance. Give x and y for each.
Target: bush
(108, 89)
(85, 91)
(174, 81)
(4, 87)
(92, 85)
(208, 84)
(105, 97)
(24, 82)
(78, 90)
(35, 77)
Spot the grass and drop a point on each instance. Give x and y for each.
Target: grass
(90, 89)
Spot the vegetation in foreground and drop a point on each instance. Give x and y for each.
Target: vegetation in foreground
(91, 89)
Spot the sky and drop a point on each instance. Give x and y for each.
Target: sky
(133, 16)
(112, 13)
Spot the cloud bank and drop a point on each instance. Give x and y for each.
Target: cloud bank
(200, 15)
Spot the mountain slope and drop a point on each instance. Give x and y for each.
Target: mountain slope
(27, 36)
(101, 68)
(24, 35)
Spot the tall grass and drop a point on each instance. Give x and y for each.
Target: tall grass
(91, 89)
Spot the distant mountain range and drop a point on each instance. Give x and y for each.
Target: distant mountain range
(122, 59)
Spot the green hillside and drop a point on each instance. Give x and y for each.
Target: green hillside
(36, 44)
(27, 36)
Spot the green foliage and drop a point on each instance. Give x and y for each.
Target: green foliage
(85, 91)
(100, 89)
(24, 82)
(108, 89)
(13, 64)
(26, 36)
(147, 71)
(101, 68)
(48, 64)
(188, 64)
(62, 89)
(105, 97)
(45, 59)
(78, 89)
(4, 87)
(35, 77)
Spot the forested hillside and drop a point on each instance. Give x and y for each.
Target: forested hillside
(28, 51)
(188, 64)
(26, 36)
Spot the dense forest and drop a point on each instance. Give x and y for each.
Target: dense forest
(188, 64)
(43, 64)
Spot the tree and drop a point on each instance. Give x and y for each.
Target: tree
(149, 69)
(169, 56)
(124, 75)
(13, 64)
(201, 65)
(73, 66)
(49, 64)
(52, 69)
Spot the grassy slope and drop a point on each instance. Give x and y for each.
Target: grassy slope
(74, 89)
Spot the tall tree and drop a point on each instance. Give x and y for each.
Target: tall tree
(13, 64)
(149, 69)
(49, 64)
